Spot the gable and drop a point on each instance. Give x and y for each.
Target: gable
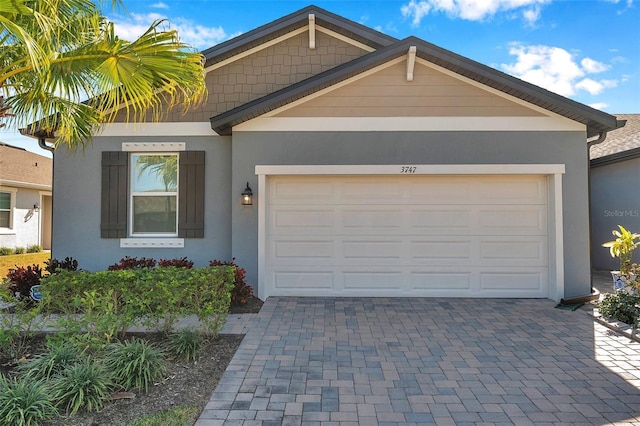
(387, 93)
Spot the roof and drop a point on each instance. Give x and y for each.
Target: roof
(621, 144)
(19, 167)
(286, 24)
(596, 121)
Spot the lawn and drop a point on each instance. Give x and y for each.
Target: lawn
(7, 262)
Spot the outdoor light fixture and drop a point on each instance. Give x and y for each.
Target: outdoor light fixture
(247, 196)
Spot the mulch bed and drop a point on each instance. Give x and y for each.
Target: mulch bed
(185, 384)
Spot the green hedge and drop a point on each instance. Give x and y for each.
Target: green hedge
(112, 301)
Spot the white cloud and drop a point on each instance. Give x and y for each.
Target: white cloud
(557, 70)
(593, 67)
(472, 10)
(160, 5)
(599, 105)
(595, 87)
(197, 36)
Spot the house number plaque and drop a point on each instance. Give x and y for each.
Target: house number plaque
(408, 170)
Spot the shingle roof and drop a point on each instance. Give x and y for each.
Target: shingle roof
(20, 165)
(595, 120)
(620, 144)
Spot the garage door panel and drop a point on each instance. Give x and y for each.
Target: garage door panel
(302, 219)
(369, 280)
(517, 190)
(291, 250)
(429, 220)
(513, 220)
(524, 253)
(303, 280)
(356, 191)
(440, 250)
(372, 250)
(440, 281)
(515, 281)
(313, 191)
(371, 219)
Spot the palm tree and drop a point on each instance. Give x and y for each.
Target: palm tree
(54, 53)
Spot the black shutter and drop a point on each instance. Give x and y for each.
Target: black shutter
(113, 223)
(191, 195)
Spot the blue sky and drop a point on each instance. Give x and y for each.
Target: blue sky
(588, 51)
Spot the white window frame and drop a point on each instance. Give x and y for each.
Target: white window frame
(12, 205)
(133, 194)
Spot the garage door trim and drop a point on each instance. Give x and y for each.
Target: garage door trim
(553, 172)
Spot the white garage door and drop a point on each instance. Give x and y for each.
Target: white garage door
(453, 236)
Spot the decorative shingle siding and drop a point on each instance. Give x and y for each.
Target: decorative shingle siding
(266, 71)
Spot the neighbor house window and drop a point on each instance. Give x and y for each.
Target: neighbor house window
(5, 210)
(154, 194)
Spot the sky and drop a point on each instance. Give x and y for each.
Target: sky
(588, 51)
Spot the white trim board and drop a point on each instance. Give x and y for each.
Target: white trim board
(189, 128)
(409, 124)
(554, 173)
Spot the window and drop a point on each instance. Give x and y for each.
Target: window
(154, 194)
(5, 210)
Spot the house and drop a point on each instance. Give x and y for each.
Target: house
(615, 176)
(25, 198)
(376, 167)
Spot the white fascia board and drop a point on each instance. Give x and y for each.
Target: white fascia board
(5, 184)
(191, 128)
(414, 169)
(409, 124)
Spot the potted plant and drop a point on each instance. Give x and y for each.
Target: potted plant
(622, 248)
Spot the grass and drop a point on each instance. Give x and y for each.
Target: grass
(178, 416)
(10, 261)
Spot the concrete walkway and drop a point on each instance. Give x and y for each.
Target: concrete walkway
(326, 361)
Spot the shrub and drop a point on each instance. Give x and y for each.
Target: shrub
(241, 291)
(133, 263)
(6, 251)
(185, 344)
(54, 361)
(24, 402)
(19, 250)
(21, 279)
(85, 385)
(154, 297)
(16, 330)
(621, 306)
(34, 248)
(55, 265)
(135, 364)
(177, 263)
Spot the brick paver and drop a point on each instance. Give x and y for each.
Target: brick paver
(330, 361)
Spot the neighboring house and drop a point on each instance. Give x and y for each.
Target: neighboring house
(25, 198)
(615, 179)
(378, 167)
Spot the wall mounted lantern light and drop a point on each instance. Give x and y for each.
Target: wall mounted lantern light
(247, 196)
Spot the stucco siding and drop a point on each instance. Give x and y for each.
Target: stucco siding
(387, 93)
(613, 203)
(378, 148)
(25, 231)
(76, 218)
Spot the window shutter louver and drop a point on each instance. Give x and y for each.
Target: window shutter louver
(113, 223)
(191, 195)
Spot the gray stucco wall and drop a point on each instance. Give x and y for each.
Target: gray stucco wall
(274, 148)
(76, 210)
(613, 203)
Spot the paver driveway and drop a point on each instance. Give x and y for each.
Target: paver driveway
(315, 361)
